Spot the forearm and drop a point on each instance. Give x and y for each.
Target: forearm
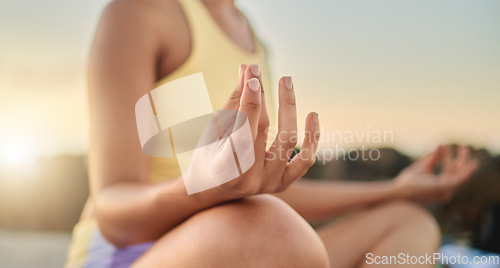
(317, 200)
(132, 212)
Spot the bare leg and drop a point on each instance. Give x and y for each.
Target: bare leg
(260, 231)
(385, 230)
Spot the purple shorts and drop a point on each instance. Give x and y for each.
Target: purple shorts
(90, 249)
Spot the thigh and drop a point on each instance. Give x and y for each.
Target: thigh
(260, 231)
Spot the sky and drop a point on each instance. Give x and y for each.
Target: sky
(426, 71)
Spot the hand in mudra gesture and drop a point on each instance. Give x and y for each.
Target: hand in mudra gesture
(419, 181)
(270, 170)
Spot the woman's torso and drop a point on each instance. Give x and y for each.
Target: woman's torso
(217, 55)
(203, 44)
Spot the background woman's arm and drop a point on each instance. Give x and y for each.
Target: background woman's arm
(320, 200)
(317, 200)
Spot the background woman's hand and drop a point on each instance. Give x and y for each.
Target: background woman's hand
(271, 171)
(419, 182)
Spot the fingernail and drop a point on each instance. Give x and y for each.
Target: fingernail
(242, 67)
(315, 118)
(288, 82)
(255, 69)
(253, 84)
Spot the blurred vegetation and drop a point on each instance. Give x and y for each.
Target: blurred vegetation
(51, 201)
(54, 200)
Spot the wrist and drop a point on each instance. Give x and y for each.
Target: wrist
(174, 191)
(400, 190)
(205, 199)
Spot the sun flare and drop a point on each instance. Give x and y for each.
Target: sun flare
(16, 153)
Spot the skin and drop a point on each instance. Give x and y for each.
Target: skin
(238, 223)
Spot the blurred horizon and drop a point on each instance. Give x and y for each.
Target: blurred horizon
(426, 71)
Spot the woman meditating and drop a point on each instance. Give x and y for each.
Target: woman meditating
(139, 213)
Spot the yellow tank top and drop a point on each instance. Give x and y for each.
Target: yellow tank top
(218, 57)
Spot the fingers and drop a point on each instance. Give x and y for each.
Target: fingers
(451, 164)
(286, 139)
(430, 161)
(307, 155)
(462, 157)
(246, 73)
(233, 102)
(263, 128)
(250, 101)
(447, 160)
(458, 169)
(467, 170)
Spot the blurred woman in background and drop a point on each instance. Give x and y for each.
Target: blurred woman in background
(139, 213)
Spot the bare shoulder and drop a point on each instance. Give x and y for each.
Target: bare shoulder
(157, 14)
(161, 23)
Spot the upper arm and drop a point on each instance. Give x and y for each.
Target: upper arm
(121, 70)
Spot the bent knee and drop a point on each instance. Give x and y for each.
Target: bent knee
(261, 231)
(408, 212)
